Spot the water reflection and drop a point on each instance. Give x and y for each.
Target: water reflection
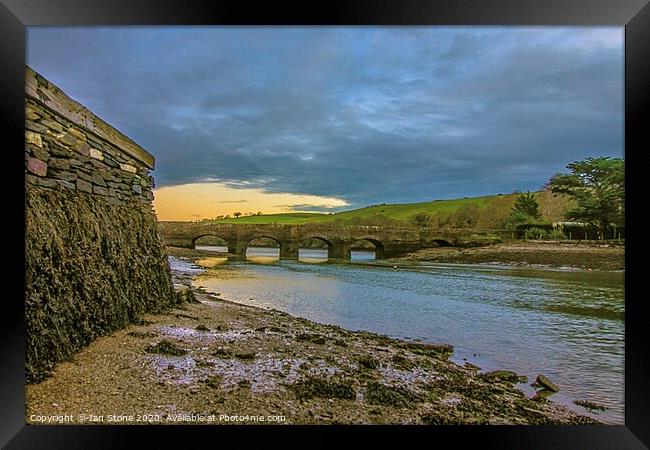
(263, 255)
(312, 255)
(362, 255)
(212, 248)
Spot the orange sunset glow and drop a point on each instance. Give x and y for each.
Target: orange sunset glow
(197, 201)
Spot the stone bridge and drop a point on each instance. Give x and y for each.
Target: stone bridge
(388, 241)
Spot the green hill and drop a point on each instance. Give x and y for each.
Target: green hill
(476, 212)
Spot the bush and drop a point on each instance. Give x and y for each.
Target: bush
(557, 235)
(535, 233)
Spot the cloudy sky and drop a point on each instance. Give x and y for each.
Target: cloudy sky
(278, 118)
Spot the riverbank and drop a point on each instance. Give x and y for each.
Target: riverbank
(530, 253)
(206, 360)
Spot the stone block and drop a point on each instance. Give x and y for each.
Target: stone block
(137, 189)
(66, 184)
(67, 139)
(40, 153)
(98, 180)
(31, 114)
(59, 151)
(100, 190)
(83, 148)
(94, 153)
(84, 186)
(38, 181)
(128, 168)
(78, 134)
(59, 163)
(33, 138)
(35, 127)
(52, 125)
(110, 161)
(66, 176)
(37, 167)
(84, 176)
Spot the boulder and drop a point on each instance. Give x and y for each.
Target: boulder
(545, 383)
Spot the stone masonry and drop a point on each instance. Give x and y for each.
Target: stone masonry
(66, 145)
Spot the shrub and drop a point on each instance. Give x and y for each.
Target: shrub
(557, 235)
(535, 233)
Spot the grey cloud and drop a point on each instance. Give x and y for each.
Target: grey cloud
(370, 115)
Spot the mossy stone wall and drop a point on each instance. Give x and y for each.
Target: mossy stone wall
(94, 261)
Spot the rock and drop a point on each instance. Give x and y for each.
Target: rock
(39, 153)
(544, 382)
(35, 127)
(128, 168)
(59, 163)
(98, 180)
(31, 114)
(590, 406)
(505, 375)
(100, 190)
(429, 349)
(66, 184)
(137, 189)
(84, 186)
(68, 139)
(245, 355)
(83, 148)
(65, 176)
(76, 133)
(37, 167)
(94, 153)
(56, 126)
(33, 138)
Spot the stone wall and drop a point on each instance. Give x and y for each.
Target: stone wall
(66, 145)
(94, 259)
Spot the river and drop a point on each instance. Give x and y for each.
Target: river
(565, 324)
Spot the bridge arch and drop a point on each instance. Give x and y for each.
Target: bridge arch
(440, 243)
(195, 239)
(271, 238)
(379, 246)
(318, 238)
(329, 246)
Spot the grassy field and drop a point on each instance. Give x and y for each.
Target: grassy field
(478, 212)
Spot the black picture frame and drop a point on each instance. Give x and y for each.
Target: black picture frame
(16, 15)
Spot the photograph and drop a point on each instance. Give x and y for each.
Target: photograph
(318, 225)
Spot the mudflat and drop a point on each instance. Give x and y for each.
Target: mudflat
(209, 361)
(595, 256)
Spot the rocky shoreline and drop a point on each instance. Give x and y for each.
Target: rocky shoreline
(211, 361)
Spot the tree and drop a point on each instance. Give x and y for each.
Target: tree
(525, 210)
(526, 204)
(597, 185)
(237, 214)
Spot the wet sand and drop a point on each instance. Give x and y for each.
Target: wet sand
(217, 362)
